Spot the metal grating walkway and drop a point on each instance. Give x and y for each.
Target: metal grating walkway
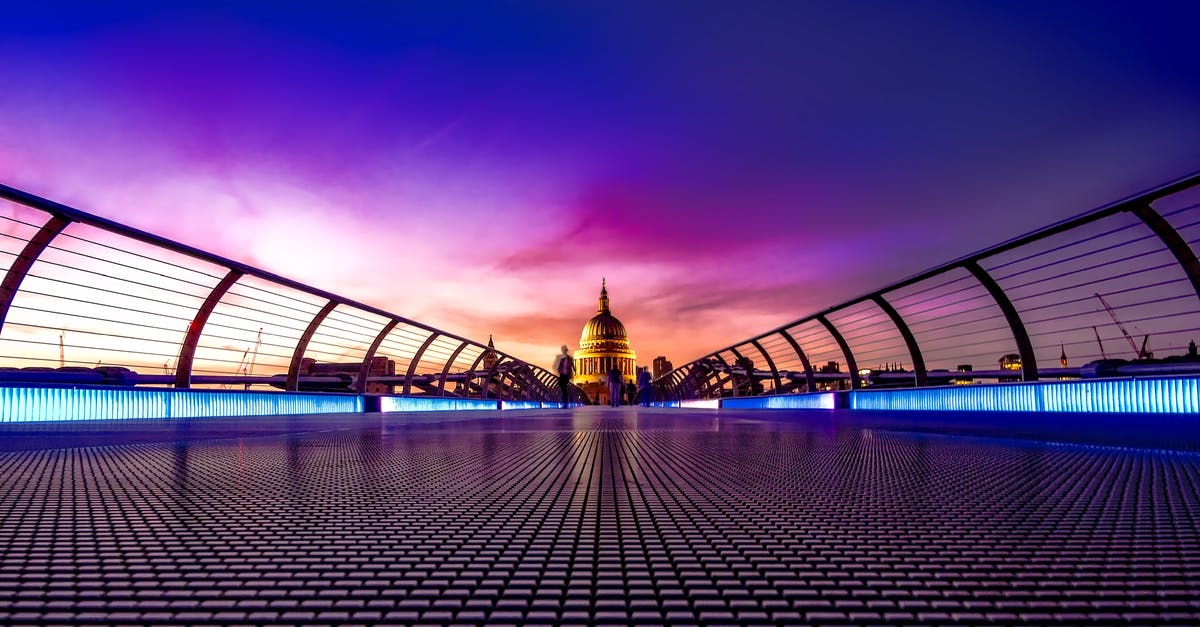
(595, 516)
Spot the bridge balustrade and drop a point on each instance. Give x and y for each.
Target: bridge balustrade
(1111, 292)
(89, 301)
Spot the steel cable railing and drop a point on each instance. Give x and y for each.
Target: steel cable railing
(88, 300)
(1113, 291)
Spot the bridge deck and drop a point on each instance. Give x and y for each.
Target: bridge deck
(592, 515)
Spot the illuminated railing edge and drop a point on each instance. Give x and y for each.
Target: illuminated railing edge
(393, 404)
(53, 404)
(1148, 395)
(816, 400)
(518, 404)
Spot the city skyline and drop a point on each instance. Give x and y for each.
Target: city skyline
(726, 175)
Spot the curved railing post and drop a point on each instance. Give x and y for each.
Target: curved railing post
(678, 380)
(712, 380)
(446, 368)
(505, 383)
(919, 373)
(671, 381)
(1174, 243)
(738, 360)
(1029, 369)
(729, 371)
(810, 381)
(187, 350)
(855, 380)
(365, 369)
(24, 261)
(770, 364)
(412, 364)
(702, 374)
(293, 375)
(470, 374)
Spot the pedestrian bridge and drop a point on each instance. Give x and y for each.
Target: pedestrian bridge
(185, 439)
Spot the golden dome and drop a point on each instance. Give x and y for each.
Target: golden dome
(603, 346)
(603, 328)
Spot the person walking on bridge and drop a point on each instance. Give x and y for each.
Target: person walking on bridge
(644, 386)
(564, 365)
(615, 387)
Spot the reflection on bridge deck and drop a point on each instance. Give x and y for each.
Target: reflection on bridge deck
(600, 515)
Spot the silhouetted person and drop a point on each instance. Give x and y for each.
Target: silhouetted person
(614, 387)
(564, 365)
(1192, 349)
(630, 393)
(643, 386)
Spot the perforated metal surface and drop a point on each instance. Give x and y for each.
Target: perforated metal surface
(598, 516)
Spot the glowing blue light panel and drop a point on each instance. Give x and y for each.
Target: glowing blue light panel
(434, 403)
(819, 400)
(37, 404)
(1157, 395)
(523, 404)
(535, 405)
(701, 403)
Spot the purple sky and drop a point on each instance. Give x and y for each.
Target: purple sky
(727, 166)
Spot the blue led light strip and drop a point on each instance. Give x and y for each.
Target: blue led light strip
(39, 404)
(819, 400)
(434, 403)
(1158, 395)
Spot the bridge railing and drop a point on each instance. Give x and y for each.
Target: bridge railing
(86, 300)
(1114, 291)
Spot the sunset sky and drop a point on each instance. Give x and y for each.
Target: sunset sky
(728, 166)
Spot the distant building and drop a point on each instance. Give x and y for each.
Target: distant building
(1012, 363)
(490, 357)
(661, 366)
(963, 368)
(380, 367)
(603, 345)
(830, 367)
(490, 384)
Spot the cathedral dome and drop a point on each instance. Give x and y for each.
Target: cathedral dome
(603, 327)
(603, 347)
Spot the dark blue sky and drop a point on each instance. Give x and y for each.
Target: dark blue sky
(728, 166)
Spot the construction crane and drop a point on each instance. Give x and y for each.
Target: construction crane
(1141, 353)
(254, 355)
(241, 367)
(1101, 344)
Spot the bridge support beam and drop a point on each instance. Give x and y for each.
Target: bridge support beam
(855, 380)
(446, 368)
(810, 381)
(770, 364)
(1029, 369)
(365, 369)
(730, 378)
(187, 350)
(412, 364)
(920, 375)
(24, 261)
(293, 375)
(1174, 243)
